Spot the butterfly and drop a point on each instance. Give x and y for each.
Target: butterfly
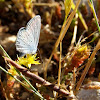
(28, 37)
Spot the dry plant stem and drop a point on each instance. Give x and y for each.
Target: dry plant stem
(81, 17)
(74, 34)
(69, 55)
(75, 30)
(80, 68)
(59, 72)
(72, 53)
(82, 20)
(88, 65)
(73, 40)
(74, 78)
(36, 78)
(45, 4)
(62, 34)
(69, 20)
(84, 39)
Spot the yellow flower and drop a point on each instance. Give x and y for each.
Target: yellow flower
(13, 72)
(28, 60)
(83, 48)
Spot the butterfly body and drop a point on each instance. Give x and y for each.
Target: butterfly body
(28, 37)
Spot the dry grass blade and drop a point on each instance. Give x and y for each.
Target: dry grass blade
(37, 79)
(59, 72)
(62, 34)
(82, 20)
(88, 65)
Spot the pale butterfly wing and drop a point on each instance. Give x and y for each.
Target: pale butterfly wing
(28, 38)
(22, 43)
